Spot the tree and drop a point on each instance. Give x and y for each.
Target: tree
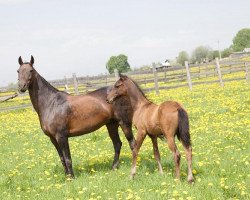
(226, 52)
(201, 54)
(182, 57)
(241, 40)
(215, 54)
(12, 87)
(119, 62)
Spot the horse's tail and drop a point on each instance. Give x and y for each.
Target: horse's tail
(183, 128)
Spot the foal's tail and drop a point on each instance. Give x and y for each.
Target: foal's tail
(183, 128)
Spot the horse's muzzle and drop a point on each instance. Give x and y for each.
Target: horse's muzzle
(22, 87)
(110, 101)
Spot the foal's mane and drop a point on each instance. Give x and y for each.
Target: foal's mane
(138, 87)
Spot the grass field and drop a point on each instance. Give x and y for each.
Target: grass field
(219, 118)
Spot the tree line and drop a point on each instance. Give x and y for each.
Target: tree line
(199, 55)
(205, 53)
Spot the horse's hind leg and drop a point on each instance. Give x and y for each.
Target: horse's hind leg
(177, 157)
(113, 134)
(156, 153)
(188, 151)
(59, 151)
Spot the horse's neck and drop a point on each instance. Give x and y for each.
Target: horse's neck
(137, 99)
(40, 93)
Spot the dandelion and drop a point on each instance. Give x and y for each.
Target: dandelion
(163, 183)
(163, 192)
(130, 196)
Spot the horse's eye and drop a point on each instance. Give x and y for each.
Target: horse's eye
(31, 70)
(17, 71)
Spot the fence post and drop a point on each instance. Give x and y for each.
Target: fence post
(116, 75)
(66, 85)
(219, 71)
(165, 74)
(155, 79)
(86, 84)
(75, 84)
(199, 71)
(106, 79)
(188, 75)
(247, 73)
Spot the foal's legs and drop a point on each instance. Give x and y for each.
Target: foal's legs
(127, 130)
(177, 157)
(188, 151)
(156, 152)
(113, 134)
(139, 140)
(53, 140)
(63, 144)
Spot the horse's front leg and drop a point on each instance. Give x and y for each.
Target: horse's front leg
(127, 130)
(63, 144)
(139, 140)
(59, 151)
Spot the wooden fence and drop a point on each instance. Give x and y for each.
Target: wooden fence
(158, 79)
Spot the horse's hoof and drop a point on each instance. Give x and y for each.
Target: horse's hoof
(191, 180)
(132, 176)
(70, 177)
(115, 166)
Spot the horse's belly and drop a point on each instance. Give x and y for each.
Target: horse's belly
(87, 125)
(154, 130)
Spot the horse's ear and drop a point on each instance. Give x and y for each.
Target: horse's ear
(122, 77)
(32, 60)
(20, 61)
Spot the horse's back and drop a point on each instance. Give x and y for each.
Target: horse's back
(169, 106)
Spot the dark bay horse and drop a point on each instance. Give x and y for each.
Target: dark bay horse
(62, 115)
(168, 119)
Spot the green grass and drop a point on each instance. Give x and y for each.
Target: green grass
(219, 119)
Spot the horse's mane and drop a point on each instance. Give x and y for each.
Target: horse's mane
(46, 83)
(138, 87)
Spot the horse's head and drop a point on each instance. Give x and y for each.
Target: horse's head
(119, 89)
(25, 74)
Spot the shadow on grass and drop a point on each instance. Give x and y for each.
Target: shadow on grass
(146, 165)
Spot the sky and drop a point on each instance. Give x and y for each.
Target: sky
(79, 36)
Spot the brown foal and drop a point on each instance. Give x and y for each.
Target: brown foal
(167, 119)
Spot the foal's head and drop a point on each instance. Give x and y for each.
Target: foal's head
(119, 89)
(25, 74)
